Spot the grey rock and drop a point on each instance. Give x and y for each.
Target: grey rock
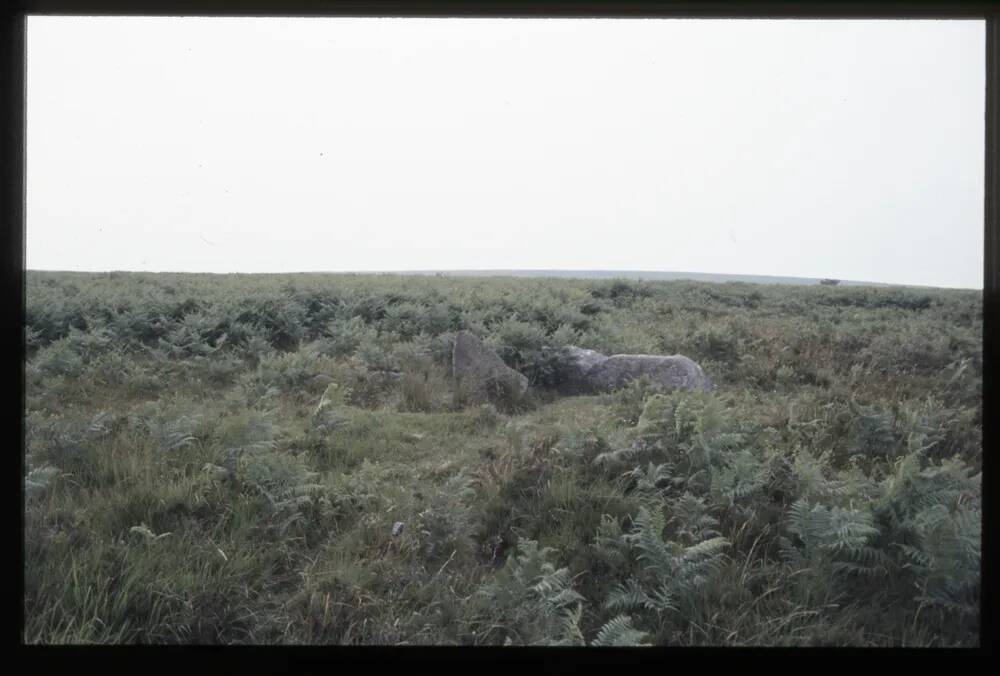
(583, 360)
(397, 528)
(675, 372)
(585, 371)
(576, 363)
(321, 379)
(477, 369)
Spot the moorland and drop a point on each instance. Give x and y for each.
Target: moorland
(282, 459)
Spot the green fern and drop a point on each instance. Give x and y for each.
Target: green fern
(608, 541)
(651, 482)
(912, 489)
(535, 599)
(284, 480)
(60, 441)
(616, 457)
(669, 572)
(689, 428)
(872, 431)
(569, 633)
(619, 632)
(739, 477)
(924, 426)
(631, 594)
(168, 431)
(832, 539)
(692, 520)
(947, 557)
(811, 473)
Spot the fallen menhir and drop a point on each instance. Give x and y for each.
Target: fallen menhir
(588, 371)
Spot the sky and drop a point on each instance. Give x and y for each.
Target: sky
(843, 149)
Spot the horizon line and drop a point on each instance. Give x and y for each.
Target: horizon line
(542, 272)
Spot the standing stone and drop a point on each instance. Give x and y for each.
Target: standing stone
(478, 370)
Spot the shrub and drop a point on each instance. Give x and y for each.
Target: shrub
(508, 397)
(711, 344)
(534, 599)
(444, 528)
(61, 358)
(286, 371)
(620, 291)
(631, 400)
(343, 337)
(666, 575)
(831, 540)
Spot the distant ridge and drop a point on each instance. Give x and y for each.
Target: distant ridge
(651, 275)
(637, 274)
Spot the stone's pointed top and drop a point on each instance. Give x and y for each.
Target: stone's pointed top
(477, 369)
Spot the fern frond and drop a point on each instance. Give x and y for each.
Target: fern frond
(661, 599)
(693, 522)
(619, 632)
(627, 596)
(705, 549)
(569, 628)
(616, 456)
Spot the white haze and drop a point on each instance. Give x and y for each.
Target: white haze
(846, 149)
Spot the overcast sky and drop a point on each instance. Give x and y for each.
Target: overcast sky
(846, 149)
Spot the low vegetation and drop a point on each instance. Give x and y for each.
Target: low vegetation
(284, 459)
